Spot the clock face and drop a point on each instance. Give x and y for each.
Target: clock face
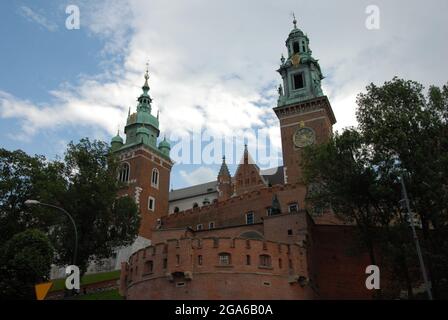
(304, 137)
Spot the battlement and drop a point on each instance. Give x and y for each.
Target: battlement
(189, 256)
(213, 207)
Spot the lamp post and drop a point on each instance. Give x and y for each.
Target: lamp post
(417, 243)
(36, 202)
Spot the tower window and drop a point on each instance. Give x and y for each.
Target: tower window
(151, 203)
(298, 80)
(303, 46)
(248, 260)
(249, 218)
(155, 178)
(123, 175)
(211, 225)
(296, 47)
(265, 260)
(293, 207)
(199, 226)
(149, 266)
(224, 259)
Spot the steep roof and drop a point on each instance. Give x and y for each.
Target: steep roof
(193, 191)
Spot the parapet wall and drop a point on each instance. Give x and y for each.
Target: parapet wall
(232, 211)
(158, 271)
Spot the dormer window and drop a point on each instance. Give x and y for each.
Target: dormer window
(296, 47)
(298, 81)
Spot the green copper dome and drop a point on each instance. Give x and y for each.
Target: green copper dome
(117, 138)
(164, 144)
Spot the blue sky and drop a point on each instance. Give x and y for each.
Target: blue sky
(212, 65)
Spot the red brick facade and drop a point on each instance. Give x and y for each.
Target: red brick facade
(142, 161)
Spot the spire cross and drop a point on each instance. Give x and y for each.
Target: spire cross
(294, 21)
(147, 71)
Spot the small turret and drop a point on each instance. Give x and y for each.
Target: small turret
(225, 188)
(116, 142)
(165, 147)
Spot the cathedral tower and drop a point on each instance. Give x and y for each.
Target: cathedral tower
(145, 166)
(304, 112)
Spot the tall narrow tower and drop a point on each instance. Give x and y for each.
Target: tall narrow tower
(145, 166)
(305, 114)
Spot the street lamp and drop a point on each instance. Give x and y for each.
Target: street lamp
(414, 235)
(36, 202)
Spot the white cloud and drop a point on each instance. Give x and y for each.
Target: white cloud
(41, 20)
(199, 175)
(212, 64)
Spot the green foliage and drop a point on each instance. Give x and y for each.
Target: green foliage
(26, 260)
(85, 184)
(401, 132)
(103, 221)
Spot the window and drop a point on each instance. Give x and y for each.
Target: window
(151, 203)
(293, 207)
(289, 232)
(199, 226)
(249, 218)
(180, 284)
(176, 209)
(265, 260)
(299, 82)
(200, 260)
(296, 47)
(303, 46)
(211, 225)
(268, 211)
(165, 263)
(177, 259)
(149, 266)
(248, 260)
(195, 205)
(224, 259)
(280, 264)
(155, 178)
(123, 175)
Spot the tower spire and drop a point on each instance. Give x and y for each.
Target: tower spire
(146, 77)
(294, 21)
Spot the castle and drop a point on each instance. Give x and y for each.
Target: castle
(247, 236)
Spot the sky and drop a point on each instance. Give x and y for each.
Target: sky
(212, 68)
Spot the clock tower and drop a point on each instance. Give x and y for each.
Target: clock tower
(305, 114)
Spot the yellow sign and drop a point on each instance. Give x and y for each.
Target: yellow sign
(42, 290)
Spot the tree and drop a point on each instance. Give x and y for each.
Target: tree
(26, 261)
(85, 184)
(411, 129)
(400, 132)
(90, 196)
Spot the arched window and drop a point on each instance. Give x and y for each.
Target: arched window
(176, 209)
(224, 259)
(195, 205)
(123, 175)
(265, 260)
(155, 178)
(296, 47)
